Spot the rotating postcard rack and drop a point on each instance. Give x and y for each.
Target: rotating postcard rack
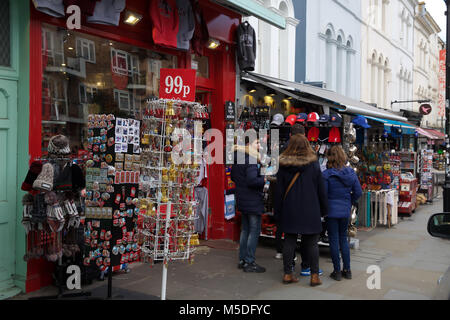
(167, 204)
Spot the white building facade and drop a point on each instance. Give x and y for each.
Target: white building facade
(426, 67)
(387, 46)
(330, 44)
(276, 47)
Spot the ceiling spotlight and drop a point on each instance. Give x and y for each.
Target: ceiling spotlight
(213, 44)
(70, 48)
(271, 92)
(132, 18)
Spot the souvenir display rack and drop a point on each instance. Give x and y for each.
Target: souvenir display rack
(408, 162)
(112, 186)
(52, 216)
(167, 204)
(426, 173)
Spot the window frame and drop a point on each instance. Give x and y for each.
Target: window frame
(85, 43)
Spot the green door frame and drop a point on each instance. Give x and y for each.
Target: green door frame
(20, 73)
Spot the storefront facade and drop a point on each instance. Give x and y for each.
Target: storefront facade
(13, 142)
(66, 74)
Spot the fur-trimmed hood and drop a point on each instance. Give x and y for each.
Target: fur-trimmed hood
(246, 149)
(297, 161)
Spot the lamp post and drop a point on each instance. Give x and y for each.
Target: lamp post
(447, 113)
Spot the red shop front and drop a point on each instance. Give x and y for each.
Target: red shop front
(59, 101)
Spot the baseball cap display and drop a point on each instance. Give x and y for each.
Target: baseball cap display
(335, 119)
(361, 121)
(324, 118)
(302, 117)
(313, 117)
(335, 135)
(291, 119)
(278, 119)
(313, 134)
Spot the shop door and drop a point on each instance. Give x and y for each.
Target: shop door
(8, 179)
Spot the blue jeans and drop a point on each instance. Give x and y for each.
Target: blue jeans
(337, 235)
(251, 229)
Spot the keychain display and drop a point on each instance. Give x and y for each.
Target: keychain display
(167, 204)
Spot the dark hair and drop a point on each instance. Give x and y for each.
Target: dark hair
(297, 128)
(336, 157)
(299, 146)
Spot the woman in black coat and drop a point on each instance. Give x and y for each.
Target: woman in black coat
(300, 202)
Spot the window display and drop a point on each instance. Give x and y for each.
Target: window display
(84, 74)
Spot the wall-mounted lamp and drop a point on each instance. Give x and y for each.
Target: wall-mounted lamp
(213, 44)
(251, 89)
(271, 92)
(132, 18)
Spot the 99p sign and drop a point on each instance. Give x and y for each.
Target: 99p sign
(177, 84)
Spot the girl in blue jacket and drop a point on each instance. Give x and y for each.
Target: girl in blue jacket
(344, 190)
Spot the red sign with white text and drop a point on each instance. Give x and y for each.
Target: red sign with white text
(177, 84)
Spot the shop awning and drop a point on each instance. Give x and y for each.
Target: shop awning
(253, 8)
(426, 134)
(438, 134)
(323, 97)
(388, 124)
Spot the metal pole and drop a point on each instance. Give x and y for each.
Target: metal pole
(166, 252)
(447, 113)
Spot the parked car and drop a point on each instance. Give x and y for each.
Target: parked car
(439, 226)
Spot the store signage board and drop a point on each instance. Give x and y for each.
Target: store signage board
(177, 84)
(425, 109)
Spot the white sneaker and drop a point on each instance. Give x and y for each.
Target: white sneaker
(279, 256)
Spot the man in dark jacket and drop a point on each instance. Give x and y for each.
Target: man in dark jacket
(249, 198)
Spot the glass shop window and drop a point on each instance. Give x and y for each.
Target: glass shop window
(201, 64)
(5, 35)
(86, 49)
(85, 74)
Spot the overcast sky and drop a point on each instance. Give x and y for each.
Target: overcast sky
(437, 10)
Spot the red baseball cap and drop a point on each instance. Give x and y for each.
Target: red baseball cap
(335, 135)
(313, 117)
(313, 134)
(291, 119)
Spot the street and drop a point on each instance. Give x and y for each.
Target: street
(411, 262)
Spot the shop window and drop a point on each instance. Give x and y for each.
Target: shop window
(87, 93)
(201, 64)
(119, 82)
(86, 49)
(5, 35)
(52, 48)
(124, 100)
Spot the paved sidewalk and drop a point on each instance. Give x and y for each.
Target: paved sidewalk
(411, 262)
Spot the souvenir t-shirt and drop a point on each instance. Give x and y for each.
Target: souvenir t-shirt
(107, 12)
(87, 6)
(165, 19)
(54, 8)
(186, 24)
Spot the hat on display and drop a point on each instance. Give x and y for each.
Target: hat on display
(278, 119)
(361, 121)
(302, 117)
(59, 145)
(291, 119)
(313, 134)
(335, 120)
(45, 179)
(313, 117)
(335, 135)
(324, 118)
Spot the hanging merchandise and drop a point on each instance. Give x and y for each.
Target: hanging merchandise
(246, 48)
(201, 34)
(87, 6)
(54, 8)
(112, 186)
(107, 12)
(186, 24)
(170, 171)
(426, 174)
(165, 20)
